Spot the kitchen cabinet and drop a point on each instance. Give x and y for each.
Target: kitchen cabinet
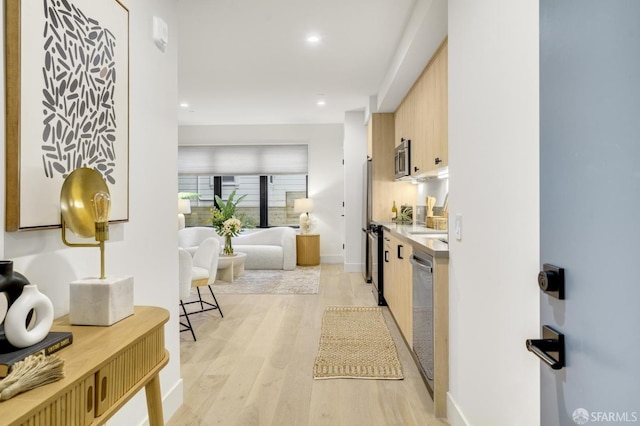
(422, 117)
(385, 190)
(398, 291)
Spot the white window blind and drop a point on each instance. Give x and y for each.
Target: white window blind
(243, 159)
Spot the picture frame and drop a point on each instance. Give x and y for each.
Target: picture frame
(67, 104)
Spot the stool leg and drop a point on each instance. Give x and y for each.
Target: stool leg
(215, 300)
(188, 322)
(200, 298)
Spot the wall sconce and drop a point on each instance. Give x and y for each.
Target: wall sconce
(303, 206)
(85, 205)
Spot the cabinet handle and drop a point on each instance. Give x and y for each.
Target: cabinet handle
(400, 247)
(103, 389)
(438, 160)
(89, 399)
(386, 256)
(416, 168)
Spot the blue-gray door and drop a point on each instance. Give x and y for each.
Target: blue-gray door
(590, 207)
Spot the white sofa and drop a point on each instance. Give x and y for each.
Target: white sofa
(268, 248)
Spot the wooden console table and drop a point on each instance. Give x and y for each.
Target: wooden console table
(104, 367)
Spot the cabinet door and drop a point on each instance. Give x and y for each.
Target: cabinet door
(441, 112)
(370, 138)
(419, 136)
(383, 172)
(405, 288)
(389, 276)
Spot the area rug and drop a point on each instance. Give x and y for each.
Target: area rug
(302, 280)
(356, 343)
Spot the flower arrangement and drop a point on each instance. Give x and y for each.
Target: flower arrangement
(224, 220)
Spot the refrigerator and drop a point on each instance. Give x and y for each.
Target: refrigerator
(366, 221)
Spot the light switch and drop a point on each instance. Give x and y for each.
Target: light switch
(457, 227)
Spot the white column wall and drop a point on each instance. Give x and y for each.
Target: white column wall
(145, 246)
(326, 177)
(355, 157)
(493, 164)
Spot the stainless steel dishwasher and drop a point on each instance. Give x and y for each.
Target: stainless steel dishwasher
(423, 313)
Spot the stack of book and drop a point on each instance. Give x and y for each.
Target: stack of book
(9, 354)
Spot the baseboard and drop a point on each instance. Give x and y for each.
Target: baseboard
(454, 415)
(353, 267)
(171, 402)
(337, 258)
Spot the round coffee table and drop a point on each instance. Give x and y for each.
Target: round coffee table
(231, 267)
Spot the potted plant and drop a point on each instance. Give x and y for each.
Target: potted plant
(225, 221)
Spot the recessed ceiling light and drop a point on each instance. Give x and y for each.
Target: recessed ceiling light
(321, 102)
(313, 39)
(184, 105)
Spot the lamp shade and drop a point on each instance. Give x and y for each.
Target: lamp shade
(303, 205)
(184, 206)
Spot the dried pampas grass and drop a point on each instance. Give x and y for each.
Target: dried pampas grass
(33, 371)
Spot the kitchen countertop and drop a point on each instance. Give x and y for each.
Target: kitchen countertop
(420, 237)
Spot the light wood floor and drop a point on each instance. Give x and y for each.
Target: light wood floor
(254, 366)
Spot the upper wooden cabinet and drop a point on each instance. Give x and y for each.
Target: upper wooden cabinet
(385, 190)
(422, 117)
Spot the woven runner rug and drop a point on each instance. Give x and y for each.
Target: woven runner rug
(356, 343)
(302, 280)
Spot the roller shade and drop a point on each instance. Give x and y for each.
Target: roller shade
(243, 159)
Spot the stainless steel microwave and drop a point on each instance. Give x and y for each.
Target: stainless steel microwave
(403, 159)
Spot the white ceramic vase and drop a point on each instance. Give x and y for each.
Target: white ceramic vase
(16, 329)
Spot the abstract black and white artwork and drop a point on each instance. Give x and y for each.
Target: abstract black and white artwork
(70, 79)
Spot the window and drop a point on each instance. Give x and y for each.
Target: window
(269, 199)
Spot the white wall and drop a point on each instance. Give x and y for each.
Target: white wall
(144, 247)
(493, 164)
(326, 177)
(355, 157)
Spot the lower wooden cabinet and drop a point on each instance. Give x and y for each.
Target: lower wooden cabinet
(398, 281)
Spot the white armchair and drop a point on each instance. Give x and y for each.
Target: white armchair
(198, 270)
(190, 238)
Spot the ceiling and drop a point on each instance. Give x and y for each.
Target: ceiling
(248, 61)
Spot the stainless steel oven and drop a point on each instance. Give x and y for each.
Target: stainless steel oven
(403, 159)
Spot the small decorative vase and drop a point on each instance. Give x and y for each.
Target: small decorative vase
(228, 249)
(16, 326)
(11, 284)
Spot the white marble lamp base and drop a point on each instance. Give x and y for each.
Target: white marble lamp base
(95, 301)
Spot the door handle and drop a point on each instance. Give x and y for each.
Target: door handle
(550, 348)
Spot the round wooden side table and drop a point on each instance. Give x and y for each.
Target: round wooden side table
(308, 249)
